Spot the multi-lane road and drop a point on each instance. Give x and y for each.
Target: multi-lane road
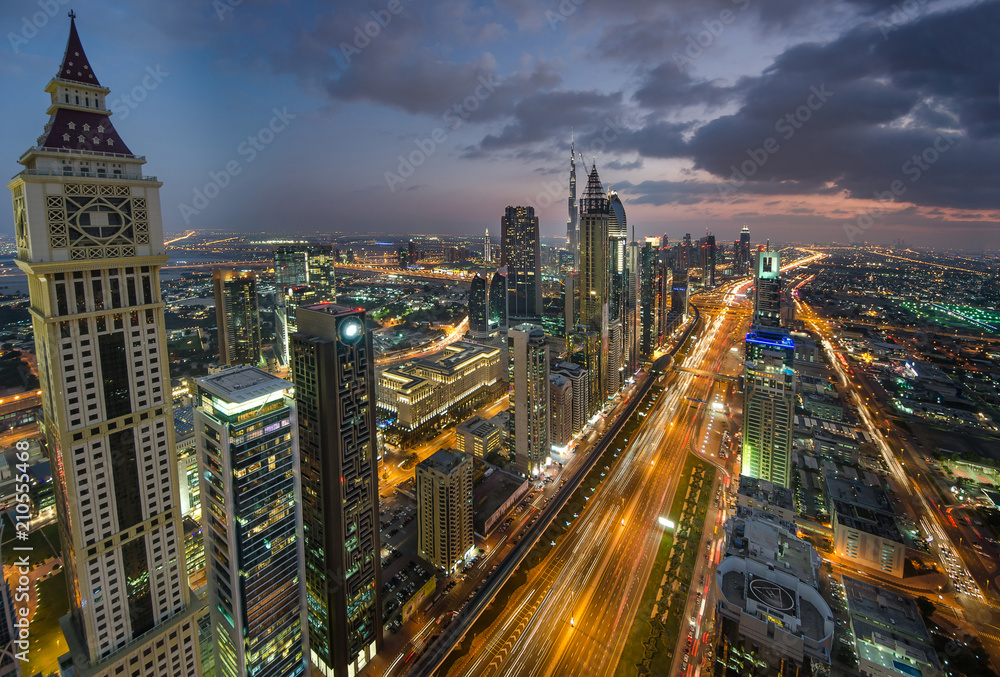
(573, 615)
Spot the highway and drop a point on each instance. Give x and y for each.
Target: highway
(574, 614)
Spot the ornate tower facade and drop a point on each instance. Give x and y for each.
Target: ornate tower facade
(89, 238)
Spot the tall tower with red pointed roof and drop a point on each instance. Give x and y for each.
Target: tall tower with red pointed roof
(90, 239)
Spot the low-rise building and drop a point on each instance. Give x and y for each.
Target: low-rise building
(419, 392)
(864, 525)
(478, 437)
(890, 637)
(761, 499)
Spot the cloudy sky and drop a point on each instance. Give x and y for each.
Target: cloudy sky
(808, 121)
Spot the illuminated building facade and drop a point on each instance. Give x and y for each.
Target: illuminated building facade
(245, 426)
(444, 508)
(89, 237)
(529, 443)
(333, 371)
(768, 406)
(237, 316)
(521, 252)
(446, 382)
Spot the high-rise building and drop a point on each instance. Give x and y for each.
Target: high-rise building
(529, 442)
(578, 379)
(743, 253)
(290, 299)
(444, 508)
(613, 363)
(768, 406)
(487, 250)
(90, 238)
(561, 410)
(572, 223)
(570, 301)
(679, 294)
(649, 299)
(521, 252)
(237, 316)
(310, 264)
(594, 256)
(767, 289)
(630, 320)
(584, 348)
(497, 299)
(333, 371)
(667, 319)
(247, 455)
(708, 254)
(479, 307)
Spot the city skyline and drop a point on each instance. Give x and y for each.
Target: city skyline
(695, 104)
(628, 454)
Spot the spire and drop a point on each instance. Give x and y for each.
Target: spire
(80, 120)
(75, 66)
(594, 199)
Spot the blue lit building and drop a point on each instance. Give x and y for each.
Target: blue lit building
(250, 498)
(768, 405)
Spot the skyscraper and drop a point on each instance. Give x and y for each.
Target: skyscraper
(333, 371)
(560, 410)
(594, 245)
(237, 316)
(708, 254)
(572, 223)
(743, 253)
(497, 299)
(679, 294)
(487, 250)
(631, 317)
(521, 252)
(311, 264)
(767, 289)
(444, 508)
(649, 299)
(768, 406)
(578, 378)
(251, 498)
(529, 441)
(479, 319)
(89, 236)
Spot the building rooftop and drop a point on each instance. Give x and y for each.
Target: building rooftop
(456, 356)
(476, 425)
(242, 384)
(888, 627)
(443, 461)
(862, 507)
(763, 490)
